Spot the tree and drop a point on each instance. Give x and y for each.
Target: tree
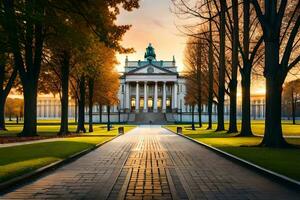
(280, 21)
(106, 89)
(222, 66)
(291, 96)
(7, 78)
(100, 60)
(196, 67)
(28, 66)
(252, 41)
(234, 67)
(14, 108)
(27, 24)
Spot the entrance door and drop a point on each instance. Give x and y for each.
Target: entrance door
(150, 104)
(132, 103)
(168, 105)
(141, 103)
(159, 104)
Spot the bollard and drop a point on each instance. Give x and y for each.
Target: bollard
(179, 130)
(121, 130)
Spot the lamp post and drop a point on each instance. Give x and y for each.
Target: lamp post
(119, 114)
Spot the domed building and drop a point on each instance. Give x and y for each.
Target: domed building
(151, 85)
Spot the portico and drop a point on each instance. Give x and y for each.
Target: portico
(151, 85)
(151, 96)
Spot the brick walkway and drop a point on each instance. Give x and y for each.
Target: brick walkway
(152, 164)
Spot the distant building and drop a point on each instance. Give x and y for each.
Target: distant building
(151, 85)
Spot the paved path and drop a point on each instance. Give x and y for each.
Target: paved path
(152, 164)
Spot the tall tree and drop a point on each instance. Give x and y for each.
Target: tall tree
(222, 66)
(100, 60)
(33, 32)
(250, 54)
(280, 21)
(195, 68)
(106, 89)
(234, 68)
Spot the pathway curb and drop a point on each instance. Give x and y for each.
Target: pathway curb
(270, 174)
(8, 185)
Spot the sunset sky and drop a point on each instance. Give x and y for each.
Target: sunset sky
(152, 23)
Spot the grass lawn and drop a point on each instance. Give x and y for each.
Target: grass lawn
(258, 127)
(18, 160)
(51, 129)
(283, 161)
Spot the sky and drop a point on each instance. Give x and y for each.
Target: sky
(152, 23)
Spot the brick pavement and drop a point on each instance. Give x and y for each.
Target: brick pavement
(152, 163)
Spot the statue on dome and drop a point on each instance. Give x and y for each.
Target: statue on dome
(150, 53)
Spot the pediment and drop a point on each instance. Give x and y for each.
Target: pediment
(150, 69)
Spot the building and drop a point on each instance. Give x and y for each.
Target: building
(151, 85)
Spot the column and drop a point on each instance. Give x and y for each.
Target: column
(137, 98)
(155, 97)
(145, 97)
(174, 98)
(127, 100)
(164, 98)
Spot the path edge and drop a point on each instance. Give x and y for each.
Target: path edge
(12, 183)
(268, 173)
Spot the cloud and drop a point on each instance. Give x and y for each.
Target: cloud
(158, 23)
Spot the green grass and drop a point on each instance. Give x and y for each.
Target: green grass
(258, 127)
(18, 160)
(283, 161)
(52, 129)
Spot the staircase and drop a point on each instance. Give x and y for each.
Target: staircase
(131, 117)
(145, 118)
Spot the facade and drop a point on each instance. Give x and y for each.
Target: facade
(151, 85)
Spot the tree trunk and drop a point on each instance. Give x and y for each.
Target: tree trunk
(193, 118)
(222, 66)
(2, 95)
(4, 90)
(246, 75)
(273, 129)
(234, 69)
(246, 103)
(233, 113)
(81, 106)
(200, 114)
(76, 111)
(2, 114)
(100, 113)
(30, 107)
(293, 107)
(108, 118)
(65, 70)
(211, 78)
(91, 94)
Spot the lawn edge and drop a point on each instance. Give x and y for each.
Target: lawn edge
(268, 173)
(31, 176)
